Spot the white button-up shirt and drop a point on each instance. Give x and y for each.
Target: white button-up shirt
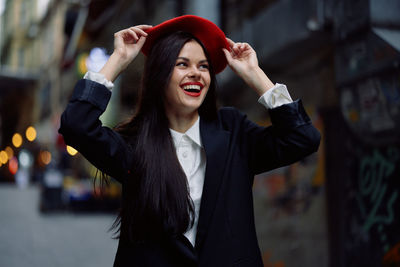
(192, 157)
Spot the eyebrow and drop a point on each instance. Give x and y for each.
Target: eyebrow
(186, 59)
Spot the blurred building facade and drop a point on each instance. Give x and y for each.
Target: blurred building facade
(363, 142)
(32, 46)
(31, 50)
(338, 207)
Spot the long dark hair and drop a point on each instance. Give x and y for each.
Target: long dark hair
(156, 200)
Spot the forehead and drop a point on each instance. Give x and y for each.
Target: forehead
(192, 50)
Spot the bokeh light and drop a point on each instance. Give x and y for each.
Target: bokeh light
(13, 165)
(45, 157)
(25, 159)
(3, 157)
(81, 64)
(9, 151)
(17, 140)
(72, 151)
(30, 133)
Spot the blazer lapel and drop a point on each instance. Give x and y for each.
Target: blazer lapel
(215, 142)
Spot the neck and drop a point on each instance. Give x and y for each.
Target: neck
(182, 122)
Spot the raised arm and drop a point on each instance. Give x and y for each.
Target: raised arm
(242, 59)
(127, 45)
(80, 124)
(291, 136)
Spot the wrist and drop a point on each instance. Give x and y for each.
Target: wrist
(258, 80)
(113, 67)
(119, 55)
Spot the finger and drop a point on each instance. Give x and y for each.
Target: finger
(133, 34)
(118, 33)
(230, 42)
(141, 42)
(236, 48)
(228, 55)
(144, 26)
(247, 46)
(126, 34)
(138, 31)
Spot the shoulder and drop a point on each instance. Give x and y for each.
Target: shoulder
(230, 117)
(229, 113)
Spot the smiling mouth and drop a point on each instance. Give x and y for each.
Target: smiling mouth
(192, 89)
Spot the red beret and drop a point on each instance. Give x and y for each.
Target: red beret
(212, 37)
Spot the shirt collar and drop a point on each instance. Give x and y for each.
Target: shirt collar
(193, 133)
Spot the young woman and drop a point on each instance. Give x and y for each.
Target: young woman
(186, 168)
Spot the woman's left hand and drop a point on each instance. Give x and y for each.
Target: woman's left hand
(242, 59)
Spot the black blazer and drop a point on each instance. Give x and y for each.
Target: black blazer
(236, 149)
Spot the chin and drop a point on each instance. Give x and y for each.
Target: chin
(193, 104)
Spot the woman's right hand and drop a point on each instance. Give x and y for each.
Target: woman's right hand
(127, 45)
(128, 42)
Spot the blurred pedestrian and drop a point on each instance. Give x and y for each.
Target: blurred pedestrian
(185, 167)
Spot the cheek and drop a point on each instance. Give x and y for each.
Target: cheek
(208, 81)
(205, 92)
(170, 94)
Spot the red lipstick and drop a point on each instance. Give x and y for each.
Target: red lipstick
(192, 88)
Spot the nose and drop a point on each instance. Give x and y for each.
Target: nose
(194, 73)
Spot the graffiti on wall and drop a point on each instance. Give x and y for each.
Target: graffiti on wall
(375, 201)
(373, 204)
(371, 108)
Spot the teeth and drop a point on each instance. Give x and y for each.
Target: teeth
(191, 87)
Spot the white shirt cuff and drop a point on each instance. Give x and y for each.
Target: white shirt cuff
(99, 78)
(275, 97)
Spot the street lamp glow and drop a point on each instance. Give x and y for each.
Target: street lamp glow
(45, 157)
(3, 157)
(13, 165)
(30, 133)
(25, 159)
(9, 152)
(72, 151)
(17, 140)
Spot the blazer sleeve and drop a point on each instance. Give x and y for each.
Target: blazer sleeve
(290, 138)
(83, 130)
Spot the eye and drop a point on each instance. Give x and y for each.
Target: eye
(204, 66)
(181, 64)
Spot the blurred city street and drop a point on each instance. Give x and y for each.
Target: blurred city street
(338, 207)
(29, 238)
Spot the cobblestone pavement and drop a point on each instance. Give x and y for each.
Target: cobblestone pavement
(29, 238)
